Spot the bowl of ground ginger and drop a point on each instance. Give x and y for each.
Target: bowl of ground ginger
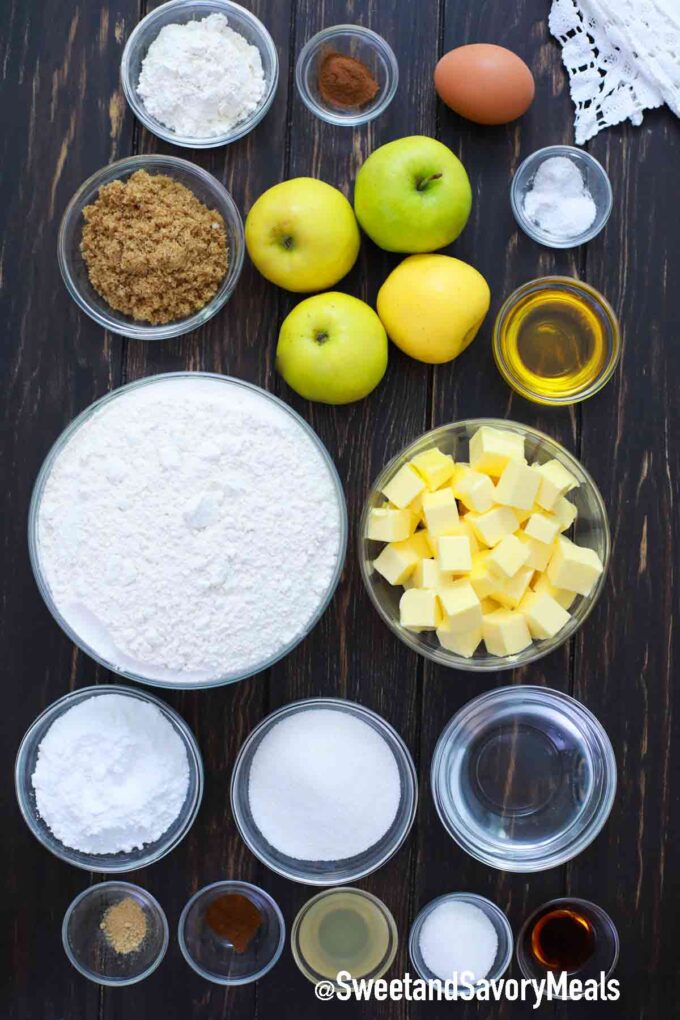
(151, 247)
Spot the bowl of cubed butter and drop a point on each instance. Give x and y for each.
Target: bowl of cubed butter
(484, 545)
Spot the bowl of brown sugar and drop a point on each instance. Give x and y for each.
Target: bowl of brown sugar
(151, 247)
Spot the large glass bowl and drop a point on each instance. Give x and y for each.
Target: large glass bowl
(180, 12)
(229, 676)
(74, 271)
(591, 529)
(123, 861)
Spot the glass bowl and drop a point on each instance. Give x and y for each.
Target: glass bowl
(74, 271)
(362, 44)
(324, 873)
(596, 181)
(494, 914)
(106, 863)
(598, 306)
(86, 945)
(591, 529)
(212, 956)
(523, 778)
(311, 913)
(606, 948)
(34, 544)
(179, 12)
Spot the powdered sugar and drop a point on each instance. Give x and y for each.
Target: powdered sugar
(189, 529)
(201, 78)
(111, 775)
(558, 201)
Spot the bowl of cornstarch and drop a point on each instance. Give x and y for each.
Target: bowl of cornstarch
(200, 73)
(188, 530)
(109, 779)
(324, 791)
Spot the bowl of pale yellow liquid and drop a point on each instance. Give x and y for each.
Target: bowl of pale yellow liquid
(347, 930)
(556, 340)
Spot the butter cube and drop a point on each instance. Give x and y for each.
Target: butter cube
(574, 567)
(419, 610)
(398, 560)
(543, 527)
(434, 467)
(517, 486)
(561, 595)
(545, 617)
(465, 643)
(555, 481)
(454, 553)
(465, 528)
(566, 512)
(441, 512)
(428, 575)
(474, 490)
(505, 632)
(511, 591)
(491, 449)
(493, 525)
(403, 487)
(539, 552)
(462, 608)
(508, 556)
(385, 525)
(482, 578)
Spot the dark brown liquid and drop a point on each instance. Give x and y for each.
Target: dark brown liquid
(562, 939)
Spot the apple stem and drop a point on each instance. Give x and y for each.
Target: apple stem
(423, 183)
(321, 337)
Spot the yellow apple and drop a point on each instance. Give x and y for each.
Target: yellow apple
(432, 306)
(302, 235)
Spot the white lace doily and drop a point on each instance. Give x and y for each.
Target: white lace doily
(622, 56)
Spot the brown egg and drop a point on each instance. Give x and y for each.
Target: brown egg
(485, 83)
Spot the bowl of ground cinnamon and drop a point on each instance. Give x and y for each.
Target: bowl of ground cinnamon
(347, 75)
(151, 247)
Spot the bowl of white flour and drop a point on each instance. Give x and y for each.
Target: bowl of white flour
(187, 530)
(200, 73)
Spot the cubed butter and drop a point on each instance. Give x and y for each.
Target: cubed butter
(511, 591)
(482, 578)
(454, 553)
(428, 575)
(386, 525)
(545, 617)
(566, 512)
(398, 560)
(561, 595)
(434, 467)
(517, 486)
(555, 481)
(508, 556)
(492, 526)
(491, 449)
(465, 643)
(505, 632)
(462, 608)
(539, 552)
(521, 515)
(574, 567)
(465, 528)
(474, 490)
(441, 512)
(419, 610)
(544, 527)
(404, 486)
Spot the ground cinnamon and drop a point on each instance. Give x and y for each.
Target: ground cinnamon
(345, 81)
(234, 917)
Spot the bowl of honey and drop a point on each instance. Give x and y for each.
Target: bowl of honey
(556, 340)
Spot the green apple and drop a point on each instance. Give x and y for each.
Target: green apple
(412, 195)
(302, 235)
(332, 348)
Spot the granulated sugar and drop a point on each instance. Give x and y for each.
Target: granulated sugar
(189, 530)
(458, 937)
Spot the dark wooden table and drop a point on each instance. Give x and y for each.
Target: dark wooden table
(65, 116)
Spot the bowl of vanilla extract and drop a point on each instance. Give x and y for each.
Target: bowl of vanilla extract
(568, 936)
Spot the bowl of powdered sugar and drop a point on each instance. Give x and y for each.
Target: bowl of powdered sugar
(188, 530)
(200, 73)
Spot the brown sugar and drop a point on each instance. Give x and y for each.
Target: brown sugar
(152, 249)
(345, 81)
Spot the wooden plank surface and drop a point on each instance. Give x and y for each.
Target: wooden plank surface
(66, 117)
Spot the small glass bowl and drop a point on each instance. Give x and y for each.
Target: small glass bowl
(106, 863)
(523, 778)
(590, 529)
(74, 271)
(323, 873)
(180, 12)
(353, 41)
(494, 914)
(213, 956)
(596, 181)
(86, 945)
(34, 544)
(606, 951)
(297, 948)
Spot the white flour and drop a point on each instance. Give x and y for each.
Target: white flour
(111, 774)
(201, 78)
(558, 201)
(189, 530)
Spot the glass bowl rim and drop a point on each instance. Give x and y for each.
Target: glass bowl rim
(150, 901)
(561, 850)
(265, 43)
(66, 435)
(398, 747)
(110, 319)
(51, 713)
(371, 38)
(536, 650)
(556, 902)
(231, 884)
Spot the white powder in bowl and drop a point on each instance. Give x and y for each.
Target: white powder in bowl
(189, 530)
(558, 201)
(458, 937)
